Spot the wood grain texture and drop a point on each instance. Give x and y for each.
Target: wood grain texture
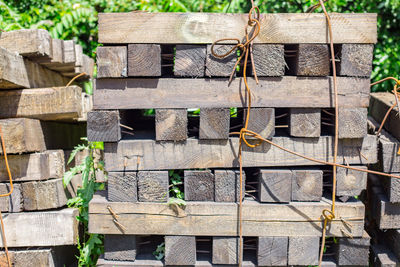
(112, 61)
(26, 167)
(69, 52)
(385, 213)
(220, 219)
(158, 263)
(274, 185)
(199, 185)
(351, 183)
(272, 251)
(56, 60)
(383, 257)
(153, 186)
(227, 185)
(214, 123)
(42, 257)
(41, 229)
(144, 60)
(205, 28)
(180, 250)
(311, 60)
(120, 247)
(225, 250)
(353, 251)
(56, 103)
(220, 67)
(261, 121)
(103, 126)
(392, 188)
(388, 148)
(303, 250)
(56, 163)
(269, 59)
(307, 185)
(392, 240)
(122, 187)
(300, 92)
(355, 60)
(41, 77)
(190, 60)
(379, 105)
(223, 153)
(171, 124)
(13, 73)
(305, 122)
(353, 122)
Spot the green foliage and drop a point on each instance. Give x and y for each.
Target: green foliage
(176, 188)
(91, 246)
(159, 253)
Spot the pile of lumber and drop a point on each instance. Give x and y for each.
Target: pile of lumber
(384, 192)
(40, 117)
(163, 63)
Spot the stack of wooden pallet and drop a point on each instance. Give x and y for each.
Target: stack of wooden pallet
(39, 117)
(384, 192)
(163, 63)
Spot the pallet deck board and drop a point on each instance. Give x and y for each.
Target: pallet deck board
(205, 28)
(286, 91)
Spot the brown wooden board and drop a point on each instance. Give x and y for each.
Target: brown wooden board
(13, 73)
(355, 60)
(112, 61)
(379, 105)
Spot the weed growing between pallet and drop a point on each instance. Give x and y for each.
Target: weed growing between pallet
(91, 245)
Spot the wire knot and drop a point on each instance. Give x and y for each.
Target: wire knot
(328, 215)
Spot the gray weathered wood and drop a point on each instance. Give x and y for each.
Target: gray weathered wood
(153, 186)
(56, 60)
(303, 250)
(144, 60)
(350, 183)
(122, 187)
(56, 103)
(48, 257)
(307, 185)
(272, 251)
(190, 60)
(13, 74)
(383, 257)
(300, 92)
(261, 121)
(225, 250)
(120, 247)
(385, 213)
(392, 188)
(392, 241)
(112, 61)
(26, 167)
(355, 60)
(214, 123)
(227, 185)
(223, 153)
(103, 126)
(220, 67)
(269, 59)
(388, 153)
(311, 60)
(353, 122)
(180, 250)
(171, 124)
(41, 229)
(44, 195)
(150, 261)
(69, 52)
(305, 122)
(205, 28)
(274, 185)
(353, 251)
(56, 163)
(220, 218)
(199, 185)
(28, 42)
(16, 201)
(379, 105)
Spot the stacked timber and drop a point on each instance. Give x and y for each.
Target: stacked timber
(39, 117)
(164, 107)
(384, 192)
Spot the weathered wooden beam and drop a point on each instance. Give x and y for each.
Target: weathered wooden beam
(379, 105)
(153, 186)
(13, 202)
(355, 60)
(310, 60)
(199, 185)
(171, 124)
(214, 123)
(223, 153)
(353, 122)
(227, 185)
(122, 186)
(180, 250)
(310, 92)
(112, 61)
(206, 28)
(269, 60)
(220, 218)
(220, 67)
(388, 153)
(56, 103)
(305, 122)
(383, 256)
(350, 183)
(190, 60)
(13, 74)
(385, 213)
(56, 59)
(392, 241)
(353, 251)
(303, 250)
(56, 163)
(307, 185)
(103, 126)
(272, 251)
(274, 185)
(41, 229)
(120, 247)
(144, 60)
(26, 167)
(225, 250)
(261, 121)
(150, 261)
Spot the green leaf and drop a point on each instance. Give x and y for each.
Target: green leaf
(75, 151)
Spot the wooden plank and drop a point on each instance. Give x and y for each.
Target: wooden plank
(353, 251)
(383, 257)
(171, 124)
(227, 185)
(157, 263)
(190, 60)
(351, 183)
(223, 153)
(310, 60)
(355, 60)
(15, 200)
(199, 185)
(220, 218)
(272, 251)
(112, 61)
(13, 74)
(307, 185)
(392, 188)
(56, 103)
(214, 123)
(122, 186)
(388, 157)
(180, 250)
(22, 135)
(103, 126)
(41, 229)
(274, 185)
(206, 28)
(153, 186)
(300, 92)
(385, 213)
(353, 122)
(305, 122)
(69, 52)
(35, 43)
(392, 241)
(56, 59)
(225, 250)
(269, 60)
(56, 163)
(40, 77)
(44, 195)
(220, 67)
(303, 250)
(144, 60)
(261, 121)
(120, 247)
(379, 105)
